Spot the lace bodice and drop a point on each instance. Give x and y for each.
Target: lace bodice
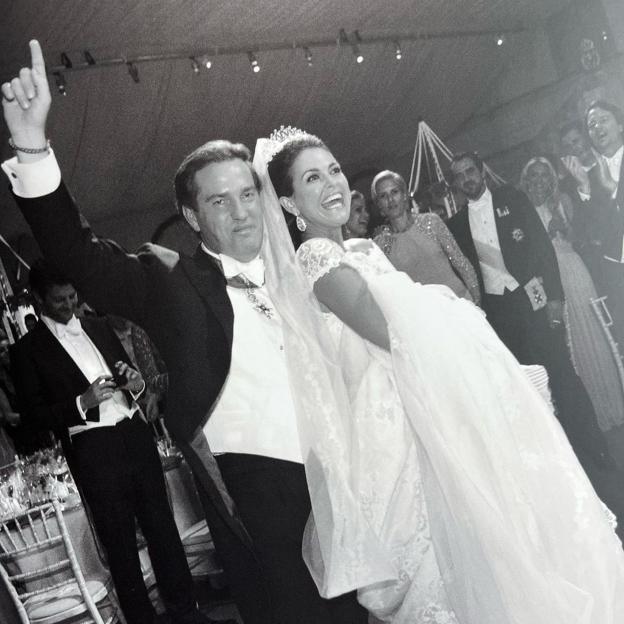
(318, 256)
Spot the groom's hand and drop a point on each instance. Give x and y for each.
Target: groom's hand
(26, 103)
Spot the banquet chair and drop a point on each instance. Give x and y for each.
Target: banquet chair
(40, 569)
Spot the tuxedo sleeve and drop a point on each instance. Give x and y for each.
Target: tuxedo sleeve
(542, 253)
(108, 277)
(36, 411)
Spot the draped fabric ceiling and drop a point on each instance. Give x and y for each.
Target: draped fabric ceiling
(119, 142)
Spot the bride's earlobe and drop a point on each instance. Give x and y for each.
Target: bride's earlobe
(288, 205)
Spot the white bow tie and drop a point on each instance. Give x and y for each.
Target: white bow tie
(252, 271)
(72, 328)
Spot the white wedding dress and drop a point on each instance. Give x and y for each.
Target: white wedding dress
(512, 531)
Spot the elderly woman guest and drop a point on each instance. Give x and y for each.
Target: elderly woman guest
(357, 224)
(420, 244)
(588, 345)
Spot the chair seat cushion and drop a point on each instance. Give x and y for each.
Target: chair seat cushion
(62, 599)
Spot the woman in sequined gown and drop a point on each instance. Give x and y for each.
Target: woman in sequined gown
(420, 244)
(589, 349)
(459, 464)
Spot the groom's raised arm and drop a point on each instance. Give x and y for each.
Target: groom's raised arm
(110, 279)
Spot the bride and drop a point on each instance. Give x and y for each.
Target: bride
(460, 467)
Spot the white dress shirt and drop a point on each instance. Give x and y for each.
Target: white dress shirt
(91, 363)
(255, 412)
(614, 164)
(483, 229)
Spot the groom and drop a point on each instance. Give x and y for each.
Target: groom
(222, 344)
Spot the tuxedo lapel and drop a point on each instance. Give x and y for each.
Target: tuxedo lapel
(47, 349)
(207, 279)
(105, 341)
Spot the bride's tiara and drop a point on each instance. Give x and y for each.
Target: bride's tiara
(278, 138)
(288, 133)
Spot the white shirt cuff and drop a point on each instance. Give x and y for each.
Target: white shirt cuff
(582, 195)
(80, 410)
(33, 179)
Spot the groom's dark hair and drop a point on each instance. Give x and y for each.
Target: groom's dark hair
(204, 155)
(44, 276)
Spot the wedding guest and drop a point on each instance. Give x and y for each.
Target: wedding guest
(602, 188)
(420, 244)
(73, 377)
(357, 224)
(590, 351)
(146, 359)
(30, 320)
(501, 233)
(586, 233)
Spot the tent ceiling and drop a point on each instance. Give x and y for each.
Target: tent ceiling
(119, 142)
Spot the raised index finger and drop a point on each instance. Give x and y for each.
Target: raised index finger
(36, 56)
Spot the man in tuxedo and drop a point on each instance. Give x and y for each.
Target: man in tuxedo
(579, 159)
(73, 377)
(600, 189)
(501, 234)
(212, 320)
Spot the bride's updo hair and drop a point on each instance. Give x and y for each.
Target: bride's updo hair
(281, 163)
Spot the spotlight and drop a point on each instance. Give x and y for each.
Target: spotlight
(500, 40)
(60, 83)
(398, 55)
(66, 61)
(206, 61)
(133, 71)
(604, 35)
(308, 56)
(88, 58)
(355, 46)
(194, 65)
(253, 61)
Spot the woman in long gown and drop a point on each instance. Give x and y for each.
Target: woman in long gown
(589, 349)
(497, 523)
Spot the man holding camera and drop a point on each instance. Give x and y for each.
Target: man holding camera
(73, 376)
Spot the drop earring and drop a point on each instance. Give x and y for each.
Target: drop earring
(301, 224)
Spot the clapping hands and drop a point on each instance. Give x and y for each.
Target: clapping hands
(574, 166)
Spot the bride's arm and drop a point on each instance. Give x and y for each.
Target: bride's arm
(346, 294)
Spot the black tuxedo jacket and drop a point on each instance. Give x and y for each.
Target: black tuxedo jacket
(180, 301)
(47, 380)
(609, 214)
(526, 247)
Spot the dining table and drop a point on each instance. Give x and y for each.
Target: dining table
(183, 500)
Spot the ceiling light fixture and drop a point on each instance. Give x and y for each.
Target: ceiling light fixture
(308, 56)
(398, 55)
(253, 61)
(60, 83)
(355, 46)
(133, 71)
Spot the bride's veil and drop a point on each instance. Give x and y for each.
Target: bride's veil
(339, 547)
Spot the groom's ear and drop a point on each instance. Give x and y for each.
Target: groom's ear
(288, 205)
